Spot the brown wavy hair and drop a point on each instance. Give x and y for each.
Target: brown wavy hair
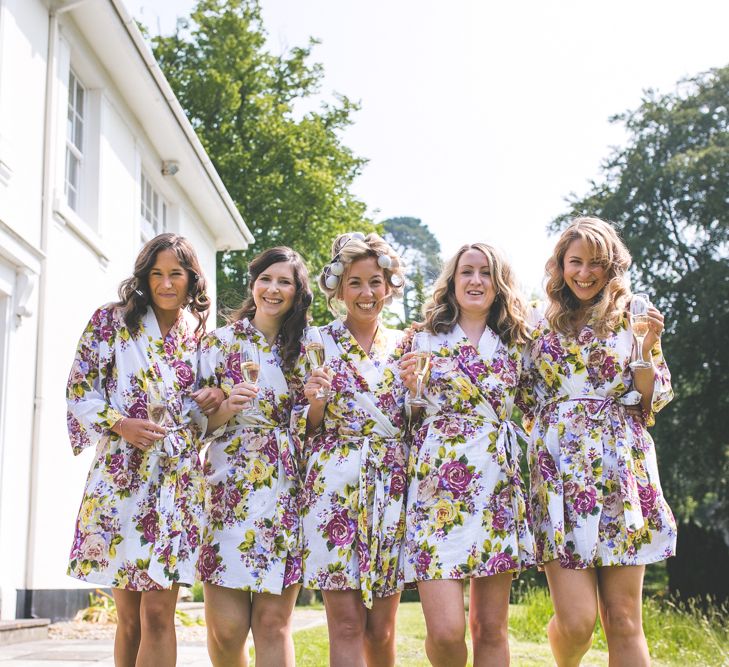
(507, 315)
(607, 248)
(349, 250)
(296, 318)
(134, 295)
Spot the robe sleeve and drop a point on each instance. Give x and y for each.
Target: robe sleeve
(662, 390)
(299, 404)
(211, 367)
(90, 415)
(526, 397)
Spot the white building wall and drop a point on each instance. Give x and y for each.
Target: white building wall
(23, 49)
(83, 273)
(75, 263)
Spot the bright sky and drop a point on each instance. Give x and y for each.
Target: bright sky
(481, 117)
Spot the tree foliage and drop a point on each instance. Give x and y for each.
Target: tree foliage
(289, 173)
(668, 192)
(420, 251)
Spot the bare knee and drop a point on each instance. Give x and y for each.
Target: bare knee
(157, 617)
(446, 637)
(576, 629)
(270, 622)
(226, 636)
(346, 627)
(379, 635)
(489, 630)
(622, 621)
(129, 628)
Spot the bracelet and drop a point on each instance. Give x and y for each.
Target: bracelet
(118, 425)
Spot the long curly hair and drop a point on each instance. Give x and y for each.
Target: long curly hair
(295, 320)
(506, 316)
(134, 293)
(348, 250)
(607, 248)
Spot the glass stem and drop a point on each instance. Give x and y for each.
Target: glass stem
(419, 387)
(639, 340)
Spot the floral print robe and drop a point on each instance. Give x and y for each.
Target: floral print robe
(251, 539)
(139, 524)
(354, 490)
(596, 496)
(466, 504)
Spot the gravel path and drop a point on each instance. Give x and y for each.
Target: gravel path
(186, 632)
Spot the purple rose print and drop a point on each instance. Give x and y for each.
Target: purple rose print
(647, 495)
(340, 529)
(138, 409)
(207, 562)
(397, 483)
(422, 563)
(455, 477)
(150, 525)
(292, 573)
(184, 374)
(501, 562)
(584, 501)
(547, 467)
(585, 336)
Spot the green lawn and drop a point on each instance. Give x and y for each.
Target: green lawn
(312, 645)
(677, 637)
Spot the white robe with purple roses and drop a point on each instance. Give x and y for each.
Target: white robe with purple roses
(251, 539)
(596, 496)
(354, 488)
(139, 524)
(466, 503)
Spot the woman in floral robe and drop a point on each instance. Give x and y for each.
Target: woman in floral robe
(466, 509)
(599, 513)
(355, 473)
(138, 529)
(250, 559)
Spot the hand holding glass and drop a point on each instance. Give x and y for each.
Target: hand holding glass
(250, 367)
(156, 413)
(421, 349)
(315, 353)
(639, 322)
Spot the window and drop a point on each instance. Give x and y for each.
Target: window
(153, 210)
(74, 140)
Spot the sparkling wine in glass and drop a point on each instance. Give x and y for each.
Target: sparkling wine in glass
(156, 412)
(421, 349)
(250, 368)
(315, 353)
(639, 322)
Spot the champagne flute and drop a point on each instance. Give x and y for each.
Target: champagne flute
(421, 349)
(250, 368)
(156, 412)
(315, 353)
(639, 321)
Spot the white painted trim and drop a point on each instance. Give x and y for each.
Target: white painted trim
(67, 217)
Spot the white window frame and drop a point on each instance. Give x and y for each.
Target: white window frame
(153, 209)
(76, 129)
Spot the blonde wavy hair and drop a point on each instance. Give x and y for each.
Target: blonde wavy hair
(347, 250)
(607, 248)
(506, 316)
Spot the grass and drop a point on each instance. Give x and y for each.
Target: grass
(677, 634)
(682, 636)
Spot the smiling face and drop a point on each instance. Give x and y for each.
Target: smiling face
(364, 290)
(274, 292)
(169, 282)
(473, 287)
(584, 274)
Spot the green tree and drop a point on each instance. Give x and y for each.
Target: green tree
(289, 173)
(667, 191)
(420, 252)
